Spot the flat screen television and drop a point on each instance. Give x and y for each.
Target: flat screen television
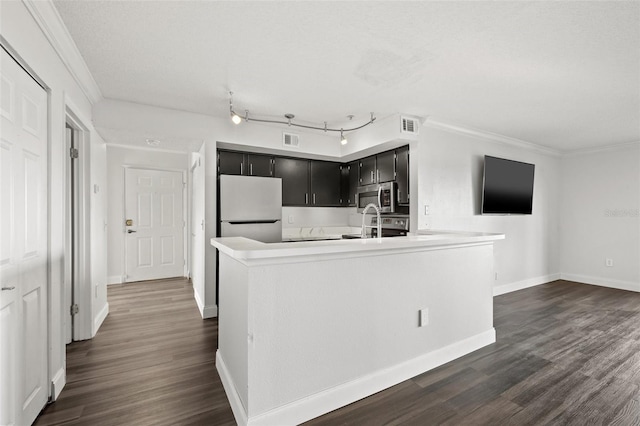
(507, 186)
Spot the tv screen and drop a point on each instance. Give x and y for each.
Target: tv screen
(508, 186)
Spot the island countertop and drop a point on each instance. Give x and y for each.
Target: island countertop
(247, 250)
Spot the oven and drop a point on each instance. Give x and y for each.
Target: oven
(390, 226)
(382, 195)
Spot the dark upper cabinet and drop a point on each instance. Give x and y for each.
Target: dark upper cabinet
(259, 165)
(353, 183)
(322, 183)
(349, 183)
(385, 166)
(295, 180)
(368, 170)
(402, 174)
(325, 183)
(231, 163)
(239, 163)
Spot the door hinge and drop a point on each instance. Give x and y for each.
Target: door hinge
(74, 309)
(73, 152)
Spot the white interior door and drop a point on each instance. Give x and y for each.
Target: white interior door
(23, 245)
(155, 224)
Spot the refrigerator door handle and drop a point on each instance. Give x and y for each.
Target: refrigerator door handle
(243, 222)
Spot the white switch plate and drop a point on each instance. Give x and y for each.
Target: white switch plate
(424, 317)
(608, 262)
(426, 209)
(290, 218)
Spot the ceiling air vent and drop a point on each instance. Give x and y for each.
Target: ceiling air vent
(409, 125)
(290, 139)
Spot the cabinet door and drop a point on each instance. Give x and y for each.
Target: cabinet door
(295, 180)
(231, 163)
(368, 170)
(402, 174)
(344, 185)
(385, 166)
(325, 183)
(259, 165)
(354, 181)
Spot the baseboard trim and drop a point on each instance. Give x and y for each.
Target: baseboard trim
(205, 311)
(99, 319)
(114, 279)
(239, 411)
(602, 282)
(530, 282)
(58, 382)
(323, 402)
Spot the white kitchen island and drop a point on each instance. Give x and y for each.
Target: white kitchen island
(305, 328)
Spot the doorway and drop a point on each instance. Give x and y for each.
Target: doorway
(154, 245)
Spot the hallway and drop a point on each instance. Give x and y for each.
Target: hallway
(151, 363)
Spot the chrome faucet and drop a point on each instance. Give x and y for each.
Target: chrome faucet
(363, 232)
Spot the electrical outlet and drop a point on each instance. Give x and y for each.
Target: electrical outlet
(291, 218)
(426, 209)
(608, 262)
(424, 317)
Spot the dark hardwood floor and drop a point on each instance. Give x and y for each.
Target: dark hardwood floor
(566, 353)
(151, 363)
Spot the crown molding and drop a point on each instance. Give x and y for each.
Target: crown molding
(50, 22)
(438, 123)
(146, 148)
(600, 149)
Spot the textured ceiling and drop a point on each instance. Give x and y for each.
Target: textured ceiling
(560, 74)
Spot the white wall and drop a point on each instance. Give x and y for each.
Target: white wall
(197, 177)
(302, 217)
(23, 35)
(450, 182)
(600, 217)
(98, 190)
(117, 158)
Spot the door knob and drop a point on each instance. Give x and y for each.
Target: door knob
(8, 288)
(130, 231)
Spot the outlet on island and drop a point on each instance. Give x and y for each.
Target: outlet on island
(424, 317)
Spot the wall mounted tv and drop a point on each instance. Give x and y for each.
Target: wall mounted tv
(507, 186)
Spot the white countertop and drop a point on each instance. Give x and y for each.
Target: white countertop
(245, 249)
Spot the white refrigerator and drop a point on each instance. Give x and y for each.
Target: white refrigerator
(251, 207)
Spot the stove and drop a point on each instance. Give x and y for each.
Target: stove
(392, 226)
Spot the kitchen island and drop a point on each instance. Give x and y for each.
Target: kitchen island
(307, 327)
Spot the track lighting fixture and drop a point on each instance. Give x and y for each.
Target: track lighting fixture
(343, 140)
(289, 117)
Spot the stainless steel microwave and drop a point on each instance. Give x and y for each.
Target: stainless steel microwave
(383, 195)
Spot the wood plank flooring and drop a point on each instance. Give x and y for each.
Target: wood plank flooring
(151, 363)
(566, 353)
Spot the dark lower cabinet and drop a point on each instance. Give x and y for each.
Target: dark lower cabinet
(295, 180)
(402, 174)
(325, 183)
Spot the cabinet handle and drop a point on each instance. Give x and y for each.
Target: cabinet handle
(306, 198)
(240, 168)
(251, 169)
(372, 180)
(8, 288)
(378, 175)
(314, 198)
